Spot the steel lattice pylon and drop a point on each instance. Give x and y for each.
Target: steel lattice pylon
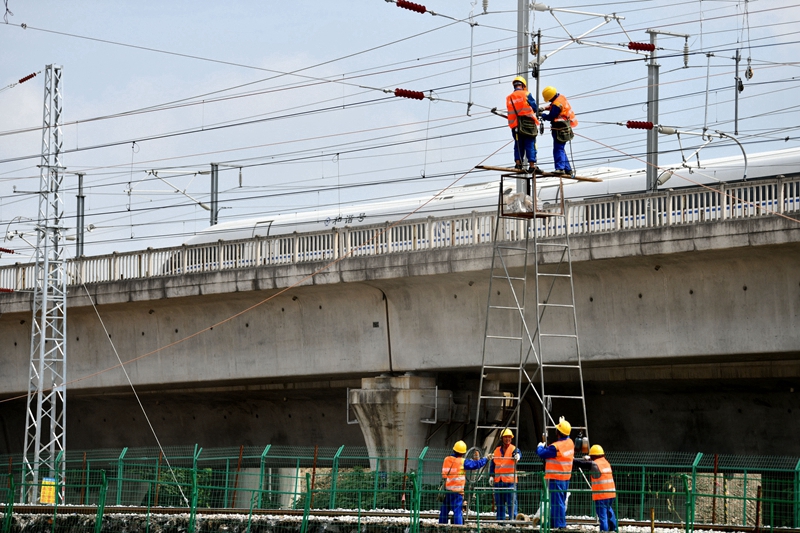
(543, 350)
(45, 425)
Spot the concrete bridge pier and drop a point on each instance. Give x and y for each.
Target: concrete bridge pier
(396, 413)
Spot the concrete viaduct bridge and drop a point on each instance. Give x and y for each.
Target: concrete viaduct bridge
(688, 308)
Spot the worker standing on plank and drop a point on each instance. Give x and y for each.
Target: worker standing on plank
(524, 125)
(562, 120)
(455, 480)
(504, 469)
(603, 489)
(557, 471)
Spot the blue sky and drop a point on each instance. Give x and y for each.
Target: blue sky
(309, 75)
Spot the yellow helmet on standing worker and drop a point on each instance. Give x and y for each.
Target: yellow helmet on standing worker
(549, 92)
(563, 426)
(519, 79)
(596, 449)
(507, 433)
(460, 447)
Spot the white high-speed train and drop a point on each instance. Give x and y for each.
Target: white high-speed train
(483, 197)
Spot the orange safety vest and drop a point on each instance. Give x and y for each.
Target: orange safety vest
(453, 474)
(566, 111)
(560, 466)
(517, 105)
(504, 465)
(603, 487)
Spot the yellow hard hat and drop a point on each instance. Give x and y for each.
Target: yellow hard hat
(549, 92)
(596, 449)
(507, 432)
(520, 79)
(563, 426)
(460, 447)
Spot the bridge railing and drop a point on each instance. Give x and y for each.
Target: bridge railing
(616, 213)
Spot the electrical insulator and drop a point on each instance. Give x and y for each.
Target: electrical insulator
(686, 53)
(739, 85)
(639, 125)
(641, 47)
(6, 290)
(26, 78)
(7, 251)
(405, 4)
(405, 93)
(485, 6)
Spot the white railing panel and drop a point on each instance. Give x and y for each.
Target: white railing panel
(688, 206)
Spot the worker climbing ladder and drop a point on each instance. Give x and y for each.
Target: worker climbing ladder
(533, 342)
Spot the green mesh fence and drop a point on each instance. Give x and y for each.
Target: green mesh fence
(258, 482)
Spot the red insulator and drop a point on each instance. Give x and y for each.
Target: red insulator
(644, 47)
(7, 251)
(405, 93)
(6, 290)
(639, 125)
(405, 4)
(26, 78)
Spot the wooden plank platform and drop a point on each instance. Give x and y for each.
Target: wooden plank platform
(540, 173)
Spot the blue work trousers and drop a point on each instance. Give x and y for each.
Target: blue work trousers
(453, 501)
(558, 503)
(524, 146)
(560, 159)
(505, 500)
(605, 512)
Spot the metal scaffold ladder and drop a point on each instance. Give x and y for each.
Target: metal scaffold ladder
(534, 343)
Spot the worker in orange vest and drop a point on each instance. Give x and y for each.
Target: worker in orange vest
(603, 489)
(562, 120)
(557, 471)
(521, 106)
(455, 480)
(504, 469)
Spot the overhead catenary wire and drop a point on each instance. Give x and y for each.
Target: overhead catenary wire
(376, 236)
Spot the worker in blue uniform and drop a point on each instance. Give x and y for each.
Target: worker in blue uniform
(557, 472)
(455, 480)
(562, 120)
(522, 109)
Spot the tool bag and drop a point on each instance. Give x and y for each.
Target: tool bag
(563, 131)
(525, 125)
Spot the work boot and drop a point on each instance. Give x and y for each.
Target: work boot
(532, 169)
(559, 172)
(518, 165)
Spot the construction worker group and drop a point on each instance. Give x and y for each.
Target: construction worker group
(558, 460)
(523, 119)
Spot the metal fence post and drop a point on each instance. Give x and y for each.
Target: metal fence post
(744, 501)
(375, 483)
(415, 503)
(120, 471)
(335, 476)
(641, 496)
(9, 514)
(101, 505)
(193, 510)
(797, 495)
(307, 507)
(261, 473)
